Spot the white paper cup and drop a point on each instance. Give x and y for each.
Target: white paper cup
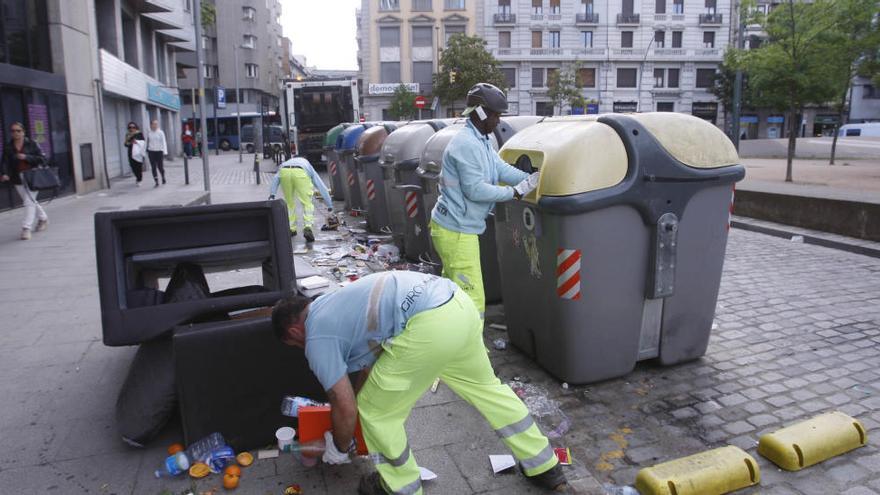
(285, 436)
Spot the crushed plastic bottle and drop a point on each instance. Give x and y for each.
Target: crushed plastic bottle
(619, 490)
(290, 405)
(174, 465)
(200, 450)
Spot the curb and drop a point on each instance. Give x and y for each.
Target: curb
(808, 239)
(204, 198)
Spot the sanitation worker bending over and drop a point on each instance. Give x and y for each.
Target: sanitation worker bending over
(298, 179)
(469, 189)
(410, 328)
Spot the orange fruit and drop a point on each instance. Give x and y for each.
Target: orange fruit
(199, 470)
(233, 470)
(175, 448)
(245, 459)
(230, 481)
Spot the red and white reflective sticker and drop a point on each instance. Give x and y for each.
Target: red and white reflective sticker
(371, 189)
(568, 273)
(350, 179)
(333, 170)
(730, 212)
(412, 205)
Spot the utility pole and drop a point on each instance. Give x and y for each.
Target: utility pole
(641, 75)
(738, 82)
(237, 99)
(197, 13)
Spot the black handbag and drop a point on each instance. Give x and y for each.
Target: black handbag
(41, 178)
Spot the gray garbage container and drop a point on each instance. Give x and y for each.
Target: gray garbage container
(346, 144)
(400, 156)
(617, 256)
(371, 177)
(336, 187)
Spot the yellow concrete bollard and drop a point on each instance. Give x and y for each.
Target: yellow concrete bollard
(713, 472)
(812, 441)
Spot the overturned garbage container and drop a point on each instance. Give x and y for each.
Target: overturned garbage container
(336, 187)
(346, 144)
(622, 242)
(399, 159)
(371, 176)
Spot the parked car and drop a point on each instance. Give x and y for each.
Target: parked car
(273, 138)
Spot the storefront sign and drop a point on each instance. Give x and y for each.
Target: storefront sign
(748, 119)
(592, 108)
(622, 107)
(826, 119)
(705, 109)
(390, 88)
(160, 95)
(38, 117)
(775, 119)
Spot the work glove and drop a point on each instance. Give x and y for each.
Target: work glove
(271, 197)
(331, 454)
(527, 185)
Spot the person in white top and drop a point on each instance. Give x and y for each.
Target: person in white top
(157, 148)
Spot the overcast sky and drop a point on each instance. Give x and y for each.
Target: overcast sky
(322, 30)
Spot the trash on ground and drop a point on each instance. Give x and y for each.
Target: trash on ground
(199, 470)
(293, 490)
(285, 435)
(565, 385)
(435, 385)
(313, 282)
(498, 326)
(245, 459)
(501, 462)
(230, 481)
(500, 344)
(175, 448)
(301, 250)
(564, 455)
(426, 474)
(541, 406)
(797, 238)
(619, 490)
(267, 453)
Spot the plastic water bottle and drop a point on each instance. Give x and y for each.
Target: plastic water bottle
(200, 451)
(290, 405)
(174, 465)
(619, 490)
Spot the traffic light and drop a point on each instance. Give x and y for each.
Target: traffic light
(452, 77)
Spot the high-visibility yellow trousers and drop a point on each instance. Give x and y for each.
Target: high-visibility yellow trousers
(298, 188)
(460, 254)
(444, 342)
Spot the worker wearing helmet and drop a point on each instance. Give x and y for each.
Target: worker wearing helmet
(470, 185)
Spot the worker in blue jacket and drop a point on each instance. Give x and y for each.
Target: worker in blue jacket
(470, 185)
(298, 179)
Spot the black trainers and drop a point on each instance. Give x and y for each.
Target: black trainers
(371, 484)
(553, 480)
(307, 233)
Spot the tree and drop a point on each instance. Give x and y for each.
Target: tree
(209, 14)
(565, 86)
(791, 69)
(855, 45)
(463, 63)
(402, 103)
(725, 81)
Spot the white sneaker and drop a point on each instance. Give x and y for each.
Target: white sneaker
(42, 225)
(25, 234)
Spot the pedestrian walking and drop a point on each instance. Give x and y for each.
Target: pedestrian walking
(187, 138)
(134, 141)
(469, 189)
(21, 154)
(298, 179)
(157, 148)
(400, 330)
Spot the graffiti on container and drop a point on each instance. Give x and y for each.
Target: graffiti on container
(530, 242)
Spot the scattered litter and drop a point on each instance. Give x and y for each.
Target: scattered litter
(797, 238)
(293, 490)
(267, 454)
(285, 435)
(541, 406)
(565, 385)
(498, 326)
(522, 379)
(714, 326)
(426, 474)
(619, 490)
(314, 282)
(859, 388)
(564, 455)
(500, 344)
(245, 459)
(301, 250)
(435, 385)
(501, 462)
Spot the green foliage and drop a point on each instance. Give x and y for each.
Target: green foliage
(564, 86)
(402, 104)
(855, 43)
(468, 59)
(725, 80)
(209, 14)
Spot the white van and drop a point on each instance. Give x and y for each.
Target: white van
(871, 129)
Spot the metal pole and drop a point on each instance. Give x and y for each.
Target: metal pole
(186, 169)
(237, 99)
(737, 85)
(641, 75)
(206, 171)
(216, 127)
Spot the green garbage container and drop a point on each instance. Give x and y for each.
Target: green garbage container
(336, 188)
(622, 242)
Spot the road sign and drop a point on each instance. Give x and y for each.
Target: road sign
(420, 102)
(221, 97)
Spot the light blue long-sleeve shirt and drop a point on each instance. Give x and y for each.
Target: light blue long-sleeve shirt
(471, 171)
(304, 164)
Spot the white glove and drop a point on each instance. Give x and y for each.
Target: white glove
(528, 184)
(331, 454)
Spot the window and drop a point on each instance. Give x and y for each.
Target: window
(627, 7)
(659, 78)
(206, 43)
(586, 77)
(422, 6)
(252, 71)
(626, 39)
(454, 5)
(711, 6)
(504, 7)
(665, 106)
(678, 6)
(504, 39)
(554, 39)
(659, 39)
(544, 108)
(422, 73)
(870, 92)
(209, 71)
(709, 39)
(537, 39)
(248, 13)
(626, 78)
(588, 6)
(389, 5)
(587, 39)
(676, 39)
(672, 78)
(187, 6)
(705, 78)
(509, 76)
(554, 7)
(452, 31)
(390, 72)
(250, 41)
(389, 37)
(537, 78)
(660, 6)
(422, 36)
(537, 7)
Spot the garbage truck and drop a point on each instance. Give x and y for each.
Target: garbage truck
(310, 108)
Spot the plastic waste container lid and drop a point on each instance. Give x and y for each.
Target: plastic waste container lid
(332, 135)
(511, 125)
(403, 147)
(370, 143)
(347, 141)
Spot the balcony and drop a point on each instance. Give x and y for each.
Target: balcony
(554, 17)
(659, 17)
(677, 18)
(508, 52)
(629, 19)
(537, 17)
(589, 18)
(670, 52)
(588, 51)
(546, 52)
(710, 19)
(504, 18)
(707, 52)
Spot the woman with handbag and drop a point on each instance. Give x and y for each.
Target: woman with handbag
(157, 148)
(134, 141)
(19, 155)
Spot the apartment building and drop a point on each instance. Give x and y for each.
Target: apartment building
(249, 32)
(399, 41)
(634, 55)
